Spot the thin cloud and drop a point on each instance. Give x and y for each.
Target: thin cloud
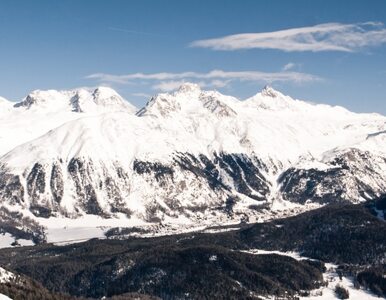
(288, 66)
(218, 83)
(167, 86)
(144, 95)
(322, 37)
(171, 85)
(216, 78)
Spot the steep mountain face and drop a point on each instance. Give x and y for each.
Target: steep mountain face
(353, 175)
(192, 157)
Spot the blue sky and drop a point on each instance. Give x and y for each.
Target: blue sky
(144, 47)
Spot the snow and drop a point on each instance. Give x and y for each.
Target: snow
(324, 293)
(5, 276)
(5, 106)
(333, 279)
(181, 118)
(65, 235)
(6, 240)
(65, 230)
(294, 255)
(102, 128)
(42, 111)
(213, 258)
(181, 122)
(23, 242)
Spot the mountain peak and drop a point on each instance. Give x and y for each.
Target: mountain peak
(190, 99)
(189, 87)
(104, 92)
(107, 96)
(271, 99)
(268, 91)
(41, 98)
(77, 100)
(101, 98)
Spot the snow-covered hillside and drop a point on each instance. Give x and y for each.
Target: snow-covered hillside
(191, 157)
(42, 111)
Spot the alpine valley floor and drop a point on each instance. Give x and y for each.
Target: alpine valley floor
(302, 257)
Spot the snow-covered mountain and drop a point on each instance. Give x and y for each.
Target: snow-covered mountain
(42, 111)
(192, 156)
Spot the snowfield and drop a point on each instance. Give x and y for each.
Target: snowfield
(5, 276)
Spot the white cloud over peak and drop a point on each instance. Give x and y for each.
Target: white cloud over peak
(215, 78)
(167, 86)
(322, 37)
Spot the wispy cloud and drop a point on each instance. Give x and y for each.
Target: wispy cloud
(143, 95)
(288, 66)
(216, 78)
(322, 37)
(167, 86)
(171, 85)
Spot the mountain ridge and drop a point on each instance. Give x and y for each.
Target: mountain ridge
(191, 157)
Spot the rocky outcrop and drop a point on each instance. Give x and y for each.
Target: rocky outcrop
(351, 176)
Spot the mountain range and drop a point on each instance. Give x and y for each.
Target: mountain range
(186, 160)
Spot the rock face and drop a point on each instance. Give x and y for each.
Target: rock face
(11, 188)
(187, 185)
(189, 156)
(352, 176)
